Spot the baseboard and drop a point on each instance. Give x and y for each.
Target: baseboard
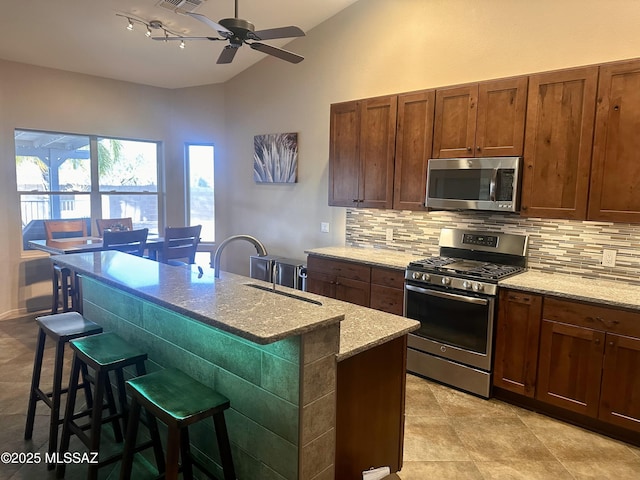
(21, 312)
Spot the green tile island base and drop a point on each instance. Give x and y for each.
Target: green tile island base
(283, 395)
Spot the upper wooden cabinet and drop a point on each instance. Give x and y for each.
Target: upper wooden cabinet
(361, 153)
(615, 176)
(558, 143)
(414, 136)
(480, 120)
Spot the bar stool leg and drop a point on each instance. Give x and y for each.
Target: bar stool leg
(185, 453)
(35, 384)
(55, 401)
(130, 440)
(96, 420)
(173, 453)
(68, 414)
(224, 446)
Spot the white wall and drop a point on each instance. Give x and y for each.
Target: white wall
(374, 47)
(378, 47)
(45, 99)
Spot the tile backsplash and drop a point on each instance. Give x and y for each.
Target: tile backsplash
(563, 246)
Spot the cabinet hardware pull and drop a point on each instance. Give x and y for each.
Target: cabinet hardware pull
(616, 108)
(478, 148)
(469, 149)
(597, 341)
(611, 344)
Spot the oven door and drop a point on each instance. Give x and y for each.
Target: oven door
(456, 326)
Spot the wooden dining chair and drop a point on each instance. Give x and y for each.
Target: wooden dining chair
(180, 243)
(64, 285)
(65, 228)
(128, 241)
(114, 224)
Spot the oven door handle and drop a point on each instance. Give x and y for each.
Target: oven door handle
(451, 296)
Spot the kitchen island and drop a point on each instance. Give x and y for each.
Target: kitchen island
(296, 372)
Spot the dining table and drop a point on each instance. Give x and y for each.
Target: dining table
(62, 246)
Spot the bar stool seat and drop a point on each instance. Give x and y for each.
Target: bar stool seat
(103, 353)
(61, 328)
(178, 401)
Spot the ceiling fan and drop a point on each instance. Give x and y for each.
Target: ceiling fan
(238, 31)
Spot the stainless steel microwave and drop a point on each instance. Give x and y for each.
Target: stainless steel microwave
(491, 183)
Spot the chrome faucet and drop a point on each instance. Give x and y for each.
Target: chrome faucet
(254, 241)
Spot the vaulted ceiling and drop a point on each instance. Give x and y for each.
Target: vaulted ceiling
(88, 36)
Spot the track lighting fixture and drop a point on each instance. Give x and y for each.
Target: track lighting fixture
(150, 26)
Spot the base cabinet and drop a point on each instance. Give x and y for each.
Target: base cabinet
(517, 338)
(369, 286)
(588, 359)
(620, 395)
(570, 367)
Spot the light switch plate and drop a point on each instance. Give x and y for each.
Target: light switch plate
(324, 227)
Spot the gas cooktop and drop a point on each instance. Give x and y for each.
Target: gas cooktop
(465, 267)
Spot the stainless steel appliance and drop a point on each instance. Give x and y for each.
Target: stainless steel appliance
(474, 183)
(288, 272)
(454, 297)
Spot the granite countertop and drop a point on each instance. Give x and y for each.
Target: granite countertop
(605, 292)
(229, 304)
(372, 256)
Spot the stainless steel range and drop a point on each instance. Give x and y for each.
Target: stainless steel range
(454, 297)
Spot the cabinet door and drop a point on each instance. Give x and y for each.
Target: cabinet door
(321, 284)
(615, 174)
(517, 338)
(557, 154)
(344, 154)
(570, 367)
(377, 147)
(352, 291)
(414, 139)
(455, 122)
(387, 290)
(500, 123)
(620, 394)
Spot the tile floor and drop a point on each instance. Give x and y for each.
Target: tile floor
(448, 434)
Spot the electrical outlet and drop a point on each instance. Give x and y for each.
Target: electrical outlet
(389, 234)
(609, 258)
(324, 227)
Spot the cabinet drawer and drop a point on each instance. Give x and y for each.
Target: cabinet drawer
(387, 277)
(353, 271)
(386, 299)
(597, 317)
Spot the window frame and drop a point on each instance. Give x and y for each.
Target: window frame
(95, 194)
(187, 188)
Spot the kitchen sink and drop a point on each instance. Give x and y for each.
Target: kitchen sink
(285, 294)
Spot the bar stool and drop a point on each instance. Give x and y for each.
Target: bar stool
(178, 401)
(103, 353)
(61, 328)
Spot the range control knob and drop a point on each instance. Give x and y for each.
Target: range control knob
(426, 277)
(478, 287)
(446, 281)
(416, 275)
(466, 284)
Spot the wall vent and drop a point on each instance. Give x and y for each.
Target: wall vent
(186, 5)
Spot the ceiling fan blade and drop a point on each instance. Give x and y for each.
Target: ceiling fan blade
(281, 32)
(216, 26)
(187, 38)
(227, 54)
(277, 52)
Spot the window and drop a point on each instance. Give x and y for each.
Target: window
(200, 198)
(62, 176)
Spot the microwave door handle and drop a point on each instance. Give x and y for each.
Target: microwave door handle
(493, 185)
(448, 296)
